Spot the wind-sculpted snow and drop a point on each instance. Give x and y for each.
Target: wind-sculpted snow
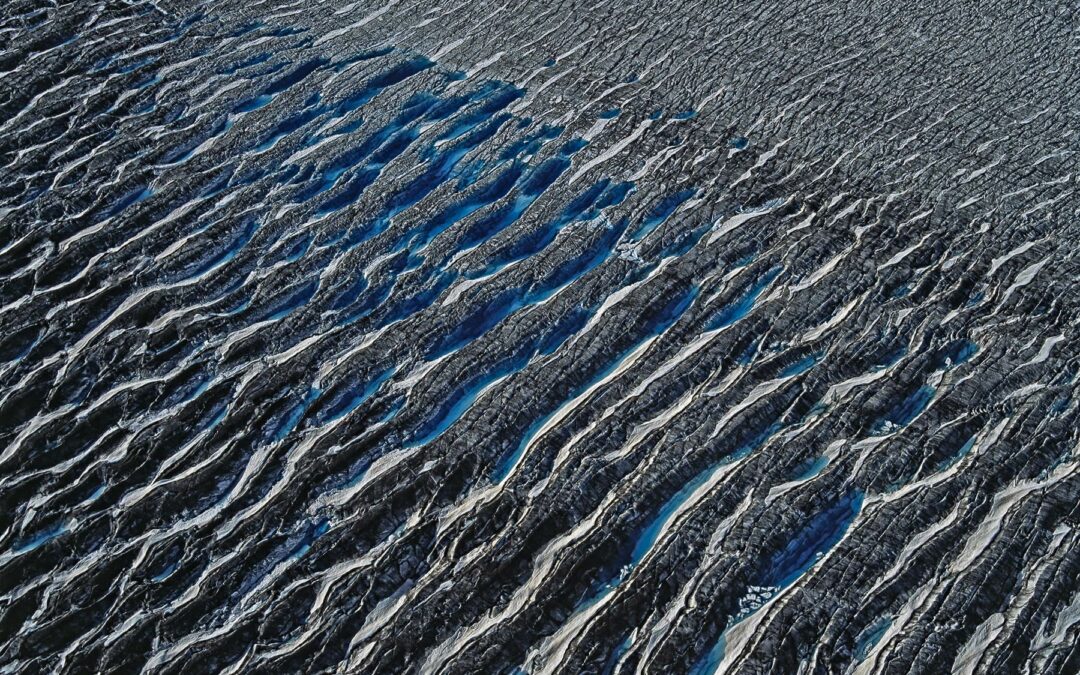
(546, 337)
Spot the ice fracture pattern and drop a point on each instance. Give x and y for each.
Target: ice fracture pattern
(539, 337)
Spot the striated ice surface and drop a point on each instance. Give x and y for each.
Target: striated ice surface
(543, 337)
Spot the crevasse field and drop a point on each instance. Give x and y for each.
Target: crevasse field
(545, 336)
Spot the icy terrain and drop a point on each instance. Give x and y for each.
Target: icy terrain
(544, 336)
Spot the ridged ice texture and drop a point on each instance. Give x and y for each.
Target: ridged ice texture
(575, 337)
